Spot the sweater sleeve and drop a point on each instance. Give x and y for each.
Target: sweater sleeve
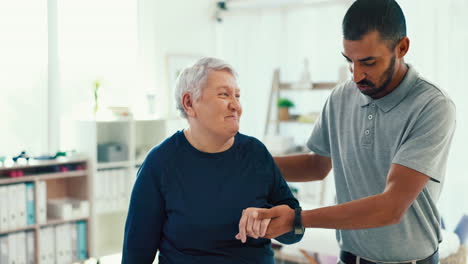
(281, 194)
(145, 217)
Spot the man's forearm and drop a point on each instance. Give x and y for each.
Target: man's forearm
(370, 212)
(303, 167)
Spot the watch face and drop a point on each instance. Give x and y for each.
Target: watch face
(299, 230)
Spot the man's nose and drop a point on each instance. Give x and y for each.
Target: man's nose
(358, 73)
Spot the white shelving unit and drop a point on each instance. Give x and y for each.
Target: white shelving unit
(139, 136)
(58, 184)
(295, 127)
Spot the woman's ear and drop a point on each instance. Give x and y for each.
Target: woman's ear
(187, 103)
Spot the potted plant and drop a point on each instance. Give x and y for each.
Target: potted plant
(96, 85)
(283, 108)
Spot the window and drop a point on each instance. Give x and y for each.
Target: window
(23, 76)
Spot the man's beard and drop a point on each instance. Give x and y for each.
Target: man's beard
(386, 79)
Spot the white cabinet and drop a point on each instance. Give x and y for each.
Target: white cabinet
(112, 181)
(25, 214)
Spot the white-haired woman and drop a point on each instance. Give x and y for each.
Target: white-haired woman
(191, 190)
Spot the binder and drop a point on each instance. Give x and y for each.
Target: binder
(67, 248)
(122, 193)
(105, 189)
(21, 246)
(74, 242)
(12, 196)
(82, 240)
(30, 208)
(58, 252)
(99, 194)
(59, 244)
(4, 256)
(113, 181)
(30, 250)
(43, 241)
(51, 244)
(4, 213)
(21, 204)
(12, 253)
(42, 202)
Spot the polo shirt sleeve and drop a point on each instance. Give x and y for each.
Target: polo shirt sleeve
(145, 217)
(319, 141)
(425, 148)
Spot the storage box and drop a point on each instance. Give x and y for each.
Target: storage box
(67, 208)
(110, 152)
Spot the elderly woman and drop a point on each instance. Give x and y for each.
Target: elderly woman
(191, 190)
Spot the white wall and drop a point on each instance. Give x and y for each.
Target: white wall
(96, 41)
(438, 34)
(175, 28)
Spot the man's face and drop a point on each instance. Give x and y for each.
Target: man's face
(372, 64)
(218, 109)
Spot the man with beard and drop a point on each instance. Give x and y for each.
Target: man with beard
(386, 133)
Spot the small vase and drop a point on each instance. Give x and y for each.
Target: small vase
(283, 113)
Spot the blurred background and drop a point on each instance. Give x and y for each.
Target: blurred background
(89, 76)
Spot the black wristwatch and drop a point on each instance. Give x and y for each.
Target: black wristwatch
(298, 227)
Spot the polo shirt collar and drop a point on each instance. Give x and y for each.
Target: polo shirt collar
(392, 99)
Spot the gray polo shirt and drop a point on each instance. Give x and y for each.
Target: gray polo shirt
(412, 126)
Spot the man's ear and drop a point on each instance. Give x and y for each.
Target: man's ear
(187, 103)
(403, 47)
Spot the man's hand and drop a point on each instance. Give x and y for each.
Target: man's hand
(282, 220)
(252, 222)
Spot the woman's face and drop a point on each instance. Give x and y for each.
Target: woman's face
(218, 109)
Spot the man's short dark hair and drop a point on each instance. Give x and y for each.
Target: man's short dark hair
(384, 16)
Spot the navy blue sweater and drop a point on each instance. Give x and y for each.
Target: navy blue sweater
(187, 204)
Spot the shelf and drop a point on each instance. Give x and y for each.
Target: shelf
(26, 228)
(32, 163)
(43, 176)
(113, 165)
(49, 223)
(62, 221)
(313, 86)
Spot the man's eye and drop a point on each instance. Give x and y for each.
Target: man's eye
(369, 63)
(224, 94)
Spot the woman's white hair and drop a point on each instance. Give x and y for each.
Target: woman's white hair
(192, 79)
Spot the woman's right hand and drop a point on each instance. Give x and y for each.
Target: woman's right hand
(250, 225)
